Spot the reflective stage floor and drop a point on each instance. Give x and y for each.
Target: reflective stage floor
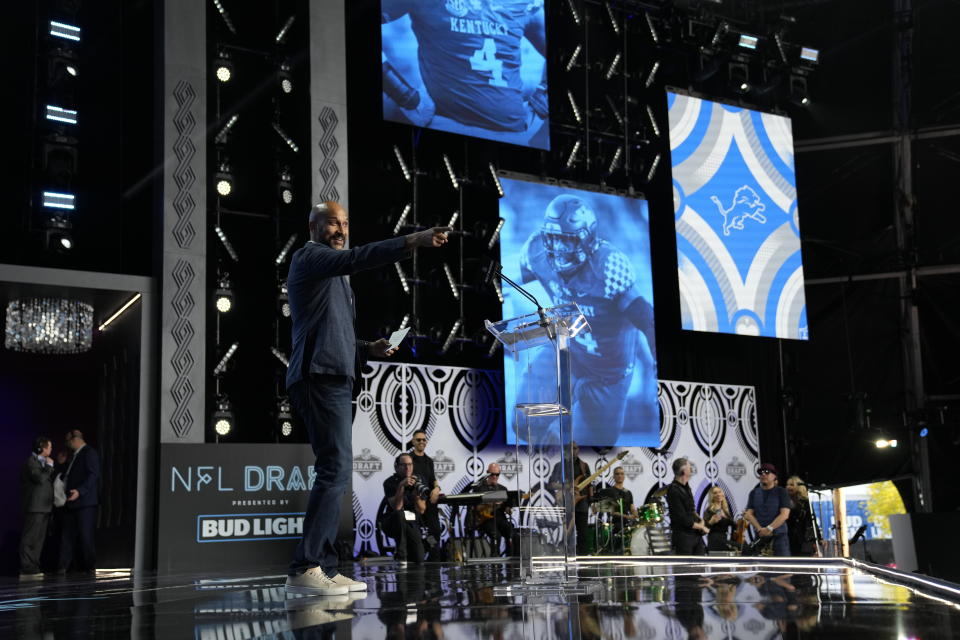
(670, 599)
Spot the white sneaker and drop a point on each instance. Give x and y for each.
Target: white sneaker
(315, 581)
(352, 585)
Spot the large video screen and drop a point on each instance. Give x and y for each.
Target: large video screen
(472, 67)
(735, 206)
(569, 245)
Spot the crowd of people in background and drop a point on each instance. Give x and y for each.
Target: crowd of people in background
(60, 494)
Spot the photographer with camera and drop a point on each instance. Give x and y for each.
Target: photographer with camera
(406, 497)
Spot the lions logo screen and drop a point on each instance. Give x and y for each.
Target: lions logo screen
(738, 235)
(567, 245)
(473, 67)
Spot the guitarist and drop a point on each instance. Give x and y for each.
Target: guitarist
(578, 470)
(493, 519)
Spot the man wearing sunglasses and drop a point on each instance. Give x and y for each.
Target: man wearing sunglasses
(423, 468)
(770, 503)
(493, 519)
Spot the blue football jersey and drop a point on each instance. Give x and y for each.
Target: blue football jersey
(469, 54)
(602, 286)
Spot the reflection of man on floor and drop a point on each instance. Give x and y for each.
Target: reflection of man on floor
(470, 60)
(573, 264)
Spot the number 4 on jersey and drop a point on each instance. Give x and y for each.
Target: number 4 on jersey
(587, 340)
(485, 59)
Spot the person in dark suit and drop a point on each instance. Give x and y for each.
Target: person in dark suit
(324, 374)
(36, 481)
(82, 484)
(686, 527)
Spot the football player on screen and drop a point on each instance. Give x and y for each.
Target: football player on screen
(469, 66)
(573, 264)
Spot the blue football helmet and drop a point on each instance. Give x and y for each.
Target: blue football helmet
(569, 233)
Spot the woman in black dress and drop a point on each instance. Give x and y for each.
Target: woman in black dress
(718, 518)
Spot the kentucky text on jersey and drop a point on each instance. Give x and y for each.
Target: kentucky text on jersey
(478, 27)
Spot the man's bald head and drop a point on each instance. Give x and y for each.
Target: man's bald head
(329, 224)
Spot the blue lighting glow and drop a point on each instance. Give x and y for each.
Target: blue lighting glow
(924, 432)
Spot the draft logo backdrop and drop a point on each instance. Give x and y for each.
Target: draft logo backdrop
(468, 67)
(738, 235)
(571, 245)
(461, 410)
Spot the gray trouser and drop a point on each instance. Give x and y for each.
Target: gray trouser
(31, 541)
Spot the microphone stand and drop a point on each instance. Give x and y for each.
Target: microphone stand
(496, 269)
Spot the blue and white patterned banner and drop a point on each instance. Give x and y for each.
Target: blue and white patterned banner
(735, 202)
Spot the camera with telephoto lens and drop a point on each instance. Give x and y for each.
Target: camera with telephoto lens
(420, 489)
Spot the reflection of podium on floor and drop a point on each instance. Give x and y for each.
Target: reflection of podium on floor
(543, 423)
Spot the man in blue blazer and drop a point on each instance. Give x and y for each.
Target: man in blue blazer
(82, 484)
(324, 367)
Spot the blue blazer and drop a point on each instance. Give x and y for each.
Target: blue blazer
(84, 476)
(322, 309)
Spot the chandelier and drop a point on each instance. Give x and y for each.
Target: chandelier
(49, 325)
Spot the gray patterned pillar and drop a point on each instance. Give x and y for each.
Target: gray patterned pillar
(328, 109)
(183, 323)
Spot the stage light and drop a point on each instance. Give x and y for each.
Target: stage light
(116, 314)
(453, 283)
(883, 443)
(615, 161)
(59, 114)
(573, 154)
(496, 180)
(285, 78)
(283, 299)
(58, 236)
(285, 187)
(221, 137)
(402, 220)
(453, 219)
(496, 233)
(57, 200)
(653, 121)
(284, 417)
(747, 41)
(404, 322)
(614, 110)
(809, 55)
(65, 31)
(573, 57)
(652, 74)
(283, 136)
(573, 105)
(653, 167)
(573, 12)
(798, 91)
(282, 34)
(222, 365)
(226, 16)
(225, 241)
(652, 28)
(450, 172)
(285, 250)
(493, 348)
(613, 19)
(718, 34)
(223, 67)
(223, 296)
(738, 77)
(924, 432)
(780, 49)
(223, 418)
(403, 165)
(613, 66)
(72, 70)
(451, 336)
(498, 288)
(223, 181)
(281, 356)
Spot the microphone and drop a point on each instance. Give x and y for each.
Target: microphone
(494, 268)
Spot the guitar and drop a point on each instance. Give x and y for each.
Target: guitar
(580, 483)
(487, 511)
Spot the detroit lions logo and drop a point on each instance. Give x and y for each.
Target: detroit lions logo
(746, 204)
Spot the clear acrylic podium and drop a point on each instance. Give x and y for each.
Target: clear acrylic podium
(543, 424)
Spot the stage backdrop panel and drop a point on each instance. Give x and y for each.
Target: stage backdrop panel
(737, 227)
(221, 504)
(715, 426)
(571, 245)
(467, 67)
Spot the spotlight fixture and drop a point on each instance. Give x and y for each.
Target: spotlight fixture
(222, 365)
(573, 57)
(573, 154)
(403, 165)
(281, 356)
(653, 121)
(59, 114)
(612, 69)
(747, 41)
(65, 31)
(284, 417)
(283, 299)
(225, 241)
(615, 161)
(613, 19)
(573, 12)
(653, 167)
(221, 136)
(226, 16)
(884, 443)
(652, 74)
(453, 219)
(58, 234)
(614, 110)
(119, 312)
(58, 200)
(781, 51)
(453, 283)
(495, 236)
(282, 34)
(652, 28)
(450, 172)
(285, 78)
(285, 250)
(223, 67)
(223, 418)
(573, 105)
(223, 181)
(283, 136)
(496, 179)
(404, 322)
(223, 296)
(451, 336)
(810, 55)
(285, 187)
(498, 288)
(402, 220)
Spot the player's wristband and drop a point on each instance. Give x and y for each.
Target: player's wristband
(399, 90)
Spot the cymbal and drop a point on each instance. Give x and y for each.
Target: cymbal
(659, 493)
(607, 506)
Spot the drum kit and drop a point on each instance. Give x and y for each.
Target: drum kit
(635, 536)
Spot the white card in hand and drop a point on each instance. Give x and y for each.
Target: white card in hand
(397, 337)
